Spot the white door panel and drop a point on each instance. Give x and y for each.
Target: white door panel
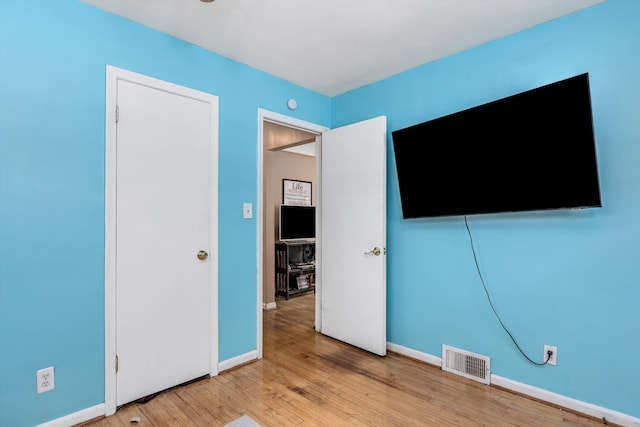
(163, 211)
(353, 223)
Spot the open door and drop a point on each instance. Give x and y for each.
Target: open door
(353, 236)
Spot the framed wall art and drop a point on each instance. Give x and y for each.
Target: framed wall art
(296, 192)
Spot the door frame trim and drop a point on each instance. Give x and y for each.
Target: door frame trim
(113, 75)
(281, 119)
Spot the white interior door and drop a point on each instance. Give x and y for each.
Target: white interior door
(353, 271)
(164, 320)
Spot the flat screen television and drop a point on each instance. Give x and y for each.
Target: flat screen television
(297, 222)
(528, 152)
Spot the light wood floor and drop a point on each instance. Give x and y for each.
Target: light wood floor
(307, 379)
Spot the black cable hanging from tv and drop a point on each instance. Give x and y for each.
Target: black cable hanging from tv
(486, 291)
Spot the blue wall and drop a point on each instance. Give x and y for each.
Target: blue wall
(568, 279)
(52, 141)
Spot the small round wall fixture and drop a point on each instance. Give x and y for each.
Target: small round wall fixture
(292, 104)
(206, 1)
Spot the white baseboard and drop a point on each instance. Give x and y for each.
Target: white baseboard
(238, 360)
(100, 410)
(537, 393)
(566, 402)
(77, 417)
(414, 354)
(269, 306)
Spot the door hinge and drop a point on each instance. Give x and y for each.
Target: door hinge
(116, 364)
(117, 113)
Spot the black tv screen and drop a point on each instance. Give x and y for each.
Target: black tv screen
(531, 151)
(297, 222)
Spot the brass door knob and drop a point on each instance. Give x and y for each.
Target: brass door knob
(202, 255)
(376, 251)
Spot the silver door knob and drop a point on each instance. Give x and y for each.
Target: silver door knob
(375, 251)
(202, 255)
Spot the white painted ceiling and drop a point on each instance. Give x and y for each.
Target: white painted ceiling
(333, 46)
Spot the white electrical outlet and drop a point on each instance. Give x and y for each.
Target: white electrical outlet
(554, 356)
(45, 380)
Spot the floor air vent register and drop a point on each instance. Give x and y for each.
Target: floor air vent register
(467, 364)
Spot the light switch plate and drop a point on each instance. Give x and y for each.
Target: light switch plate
(247, 210)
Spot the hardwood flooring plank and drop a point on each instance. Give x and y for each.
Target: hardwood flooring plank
(307, 379)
